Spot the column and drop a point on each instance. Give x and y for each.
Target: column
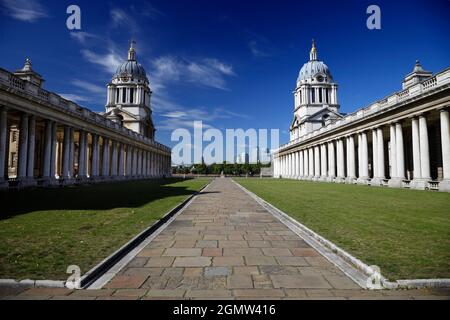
(296, 174)
(374, 153)
(316, 163)
(121, 160)
(444, 185)
(364, 167)
(302, 165)
(351, 170)
(424, 148)
(82, 155)
(331, 162)
(23, 146)
(31, 148)
(311, 163)
(416, 149)
(380, 155)
(129, 162)
(95, 156)
(105, 164)
(114, 159)
(399, 151)
(340, 161)
(47, 149)
(323, 162)
(3, 140)
(66, 153)
(53, 151)
(393, 151)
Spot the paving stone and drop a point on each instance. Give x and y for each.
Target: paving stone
(193, 272)
(235, 237)
(289, 244)
(304, 252)
(277, 269)
(276, 252)
(182, 252)
(206, 244)
(215, 237)
(228, 261)
(192, 262)
(155, 283)
(142, 271)
(230, 252)
(180, 243)
(297, 293)
(208, 293)
(212, 252)
(137, 262)
(259, 244)
(130, 292)
(239, 281)
(299, 281)
(217, 271)
(249, 270)
(156, 262)
(292, 261)
(260, 261)
(262, 281)
(150, 252)
(258, 293)
(318, 261)
(233, 244)
(176, 293)
(173, 272)
(93, 293)
(124, 282)
(46, 292)
(341, 282)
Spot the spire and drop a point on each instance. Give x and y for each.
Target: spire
(27, 66)
(131, 51)
(418, 67)
(313, 52)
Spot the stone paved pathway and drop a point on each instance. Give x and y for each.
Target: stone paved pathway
(224, 245)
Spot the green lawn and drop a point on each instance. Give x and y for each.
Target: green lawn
(43, 231)
(405, 232)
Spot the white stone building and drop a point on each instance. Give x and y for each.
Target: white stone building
(401, 141)
(47, 140)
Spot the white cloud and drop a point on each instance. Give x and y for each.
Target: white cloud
(205, 72)
(82, 36)
(256, 50)
(23, 10)
(90, 87)
(109, 61)
(75, 97)
(121, 18)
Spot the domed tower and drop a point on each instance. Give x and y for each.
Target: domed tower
(128, 99)
(315, 96)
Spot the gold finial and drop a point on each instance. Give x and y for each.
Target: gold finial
(313, 53)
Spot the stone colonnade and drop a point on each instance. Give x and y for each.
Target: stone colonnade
(398, 154)
(38, 151)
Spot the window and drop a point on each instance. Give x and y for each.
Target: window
(124, 94)
(117, 95)
(131, 95)
(320, 95)
(313, 95)
(326, 95)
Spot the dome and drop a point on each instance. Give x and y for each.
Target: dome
(314, 67)
(131, 68)
(311, 68)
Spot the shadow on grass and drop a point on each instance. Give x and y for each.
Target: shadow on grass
(129, 194)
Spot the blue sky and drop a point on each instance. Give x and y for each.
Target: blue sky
(232, 64)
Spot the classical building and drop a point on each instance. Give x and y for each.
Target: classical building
(400, 141)
(47, 140)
